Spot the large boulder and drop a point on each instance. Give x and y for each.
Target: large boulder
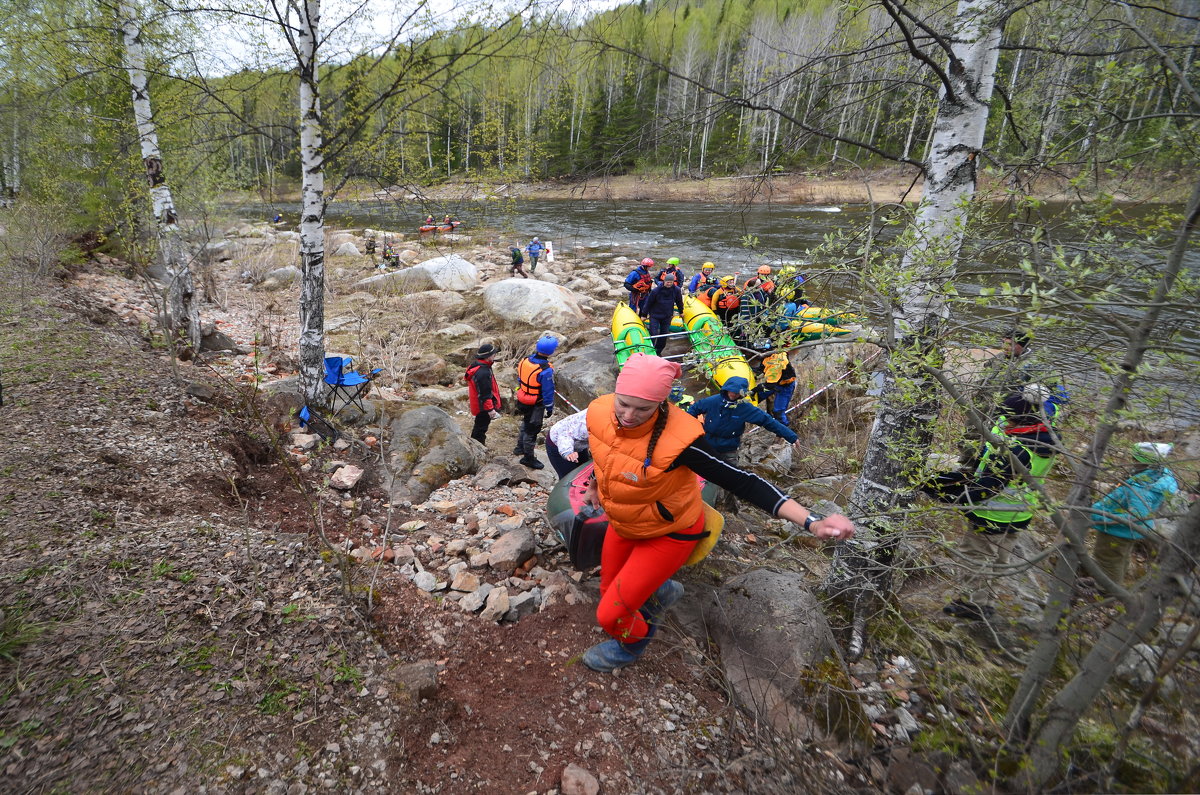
(281, 277)
(347, 249)
(428, 450)
(533, 302)
(583, 374)
(438, 304)
(781, 660)
(409, 280)
(451, 272)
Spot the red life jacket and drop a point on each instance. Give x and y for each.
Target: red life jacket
(644, 284)
(492, 404)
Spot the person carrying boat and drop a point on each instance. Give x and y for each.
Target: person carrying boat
(534, 250)
(761, 280)
(998, 501)
(1122, 517)
(778, 384)
(647, 456)
(660, 307)
(535, 399)
(638, 283)
(567, 443)
(726, 300)
(518, 263)
(483, 393)
(726, 416)
(681, 398)
(703, 280)
(672, 270)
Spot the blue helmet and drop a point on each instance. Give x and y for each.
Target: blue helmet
(676, 393)
(547, 345)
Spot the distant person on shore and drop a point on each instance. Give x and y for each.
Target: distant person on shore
(1126, 514)
(534, 250)
(660, 307)
(277, 219)
(518, 263)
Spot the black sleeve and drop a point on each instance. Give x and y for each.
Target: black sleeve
(483, 384)
(699, 457)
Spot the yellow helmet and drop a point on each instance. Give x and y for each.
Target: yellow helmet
(726, 281)
(707, 266)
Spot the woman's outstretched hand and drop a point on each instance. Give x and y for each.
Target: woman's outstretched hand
(837, 527)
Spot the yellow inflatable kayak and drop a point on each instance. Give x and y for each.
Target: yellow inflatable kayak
(629, 334)
(718, 357)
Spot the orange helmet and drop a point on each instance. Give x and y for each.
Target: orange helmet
(764, 270)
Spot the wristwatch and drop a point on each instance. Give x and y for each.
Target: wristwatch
(812, 519)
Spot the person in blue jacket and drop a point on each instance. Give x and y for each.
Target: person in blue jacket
(534, 250)
(1126, 513)
(726, 416)
(535, 399)
(638, 283)
(704, 279)
(659, 307)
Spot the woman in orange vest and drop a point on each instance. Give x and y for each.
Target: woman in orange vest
(647, 455)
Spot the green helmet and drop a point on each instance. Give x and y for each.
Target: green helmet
(673, 261)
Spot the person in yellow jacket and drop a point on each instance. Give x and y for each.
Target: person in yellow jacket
(778, 384)
(647, 455)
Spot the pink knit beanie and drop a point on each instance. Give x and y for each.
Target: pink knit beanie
(647, 377)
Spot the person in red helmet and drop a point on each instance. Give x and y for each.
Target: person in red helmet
(638, 283)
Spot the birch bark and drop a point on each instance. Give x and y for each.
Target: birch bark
(181, 310)
(312, 218)
(901, 432)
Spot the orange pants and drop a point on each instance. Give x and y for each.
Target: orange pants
(630, 572)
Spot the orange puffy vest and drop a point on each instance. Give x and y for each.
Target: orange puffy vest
(530, 390)
(644, 501)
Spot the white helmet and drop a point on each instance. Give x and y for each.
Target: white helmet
(1035, 394)
(535, 240)
(1151, 452)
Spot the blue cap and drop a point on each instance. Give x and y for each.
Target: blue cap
(547, 345)
(736, 385)
(677, 392)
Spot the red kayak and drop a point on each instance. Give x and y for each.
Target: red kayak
(450, 227)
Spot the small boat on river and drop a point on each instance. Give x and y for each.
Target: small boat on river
(450, 227)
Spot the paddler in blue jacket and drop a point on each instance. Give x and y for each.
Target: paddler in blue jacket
(726, 415)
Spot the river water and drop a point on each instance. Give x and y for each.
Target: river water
(739, 238)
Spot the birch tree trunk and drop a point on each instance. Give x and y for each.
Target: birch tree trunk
(181, 311)
(312, 214)
(901, 432)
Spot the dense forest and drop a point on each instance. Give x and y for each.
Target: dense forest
(687, 89)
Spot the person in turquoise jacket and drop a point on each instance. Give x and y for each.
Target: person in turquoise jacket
(726, 416)
(1126, 513)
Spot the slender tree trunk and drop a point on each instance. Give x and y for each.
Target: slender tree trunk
(901, 432)
(312, 218)
(182, 312)
(1135, 626)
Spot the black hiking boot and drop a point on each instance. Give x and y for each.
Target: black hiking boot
(531, 462)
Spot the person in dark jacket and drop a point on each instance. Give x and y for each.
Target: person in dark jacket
(660, 307)
(483, 392)
(726, 416)
(997, 500)
(518, 263)
(672, 270)
(535, 399)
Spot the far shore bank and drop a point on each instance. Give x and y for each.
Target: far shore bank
(889, 185)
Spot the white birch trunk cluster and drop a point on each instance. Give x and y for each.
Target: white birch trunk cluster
(182, 314)
(901, 432)
(312, 218)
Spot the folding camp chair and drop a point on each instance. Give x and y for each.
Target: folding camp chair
(345, 384)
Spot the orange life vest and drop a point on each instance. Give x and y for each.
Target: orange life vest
(644, 501)
(726, 300)
(530, 390)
